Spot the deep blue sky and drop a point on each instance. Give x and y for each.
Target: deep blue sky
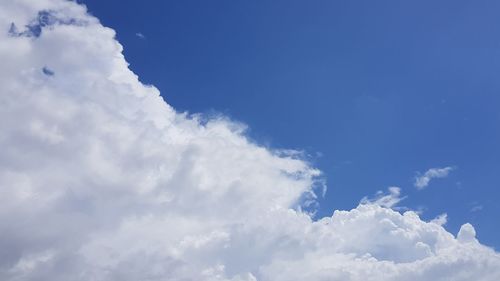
(381, 89)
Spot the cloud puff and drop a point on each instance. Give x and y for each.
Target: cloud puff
(422, 181)
(100, 179)
(441, 219)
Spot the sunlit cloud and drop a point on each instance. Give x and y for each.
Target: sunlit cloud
(101, 179)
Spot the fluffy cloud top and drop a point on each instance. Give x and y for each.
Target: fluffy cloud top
(422, 181)
(100, 179)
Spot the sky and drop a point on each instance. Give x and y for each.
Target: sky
(375, 92)
(187, 141)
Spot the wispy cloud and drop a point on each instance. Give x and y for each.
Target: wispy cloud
(476, 208)
(387, 200)
(140, 35)
(422, 181)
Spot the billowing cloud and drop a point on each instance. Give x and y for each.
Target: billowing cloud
(422, 181)
(100, 179)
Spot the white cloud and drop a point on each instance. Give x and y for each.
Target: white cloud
(140, 35)
(385, 200)
(441, 219)
(100, 179)
(422, 181)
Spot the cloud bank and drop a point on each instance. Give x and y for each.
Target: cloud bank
(100, 179)
(422, 181)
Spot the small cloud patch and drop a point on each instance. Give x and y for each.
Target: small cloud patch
(441, 219)
(47, 71)
(387, 200)
(476, 208)
(422, 181)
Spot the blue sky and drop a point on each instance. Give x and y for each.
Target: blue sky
(374, 91)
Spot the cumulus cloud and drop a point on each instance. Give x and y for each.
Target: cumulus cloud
(100, 179)
(422, 181)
